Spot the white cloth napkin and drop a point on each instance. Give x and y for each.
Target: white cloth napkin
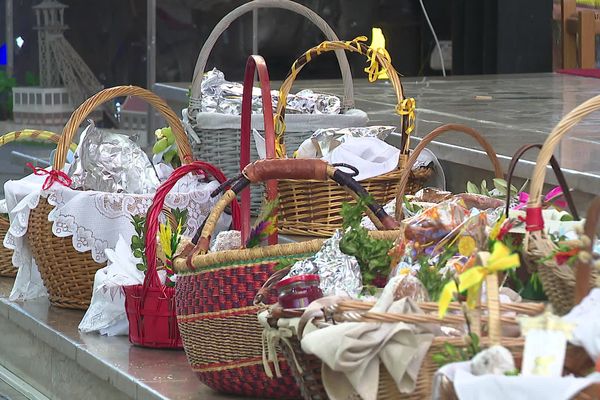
(501, 387)
(371, 156)
(586, 317)
(352, 352)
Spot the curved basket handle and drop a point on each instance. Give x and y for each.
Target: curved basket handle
(256, 63)
(298, 169)
(404, 107)
(431, 136)
(534, 220)
(84, 110)
(583, 270)
(195, 96)
(560, 177)
(151, 279)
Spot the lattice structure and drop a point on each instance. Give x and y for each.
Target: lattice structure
(60, 67)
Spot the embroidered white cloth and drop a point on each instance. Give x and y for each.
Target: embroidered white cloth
(501, 387)
(93, 219)
(586, 317)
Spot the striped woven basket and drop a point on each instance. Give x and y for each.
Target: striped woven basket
(215, 137)
(6, 266)
(68, 274)
(215, 292)
(310, 208)
(557, 279)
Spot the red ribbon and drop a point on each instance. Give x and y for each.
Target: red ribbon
(53, 176)
(534, 221)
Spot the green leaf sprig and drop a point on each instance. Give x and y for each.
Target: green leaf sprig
(371, 254)
(138, 241)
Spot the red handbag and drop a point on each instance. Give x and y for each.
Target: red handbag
(150, 307)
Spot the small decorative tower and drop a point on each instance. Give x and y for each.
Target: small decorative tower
(66, 81)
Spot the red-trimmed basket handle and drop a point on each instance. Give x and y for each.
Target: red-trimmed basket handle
(256, 63)
(151, 279)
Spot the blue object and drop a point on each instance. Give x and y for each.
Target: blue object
(3, 54)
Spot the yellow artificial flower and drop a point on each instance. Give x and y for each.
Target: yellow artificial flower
(497, 226)
(471, 280)
(466, 245)
(164, 236)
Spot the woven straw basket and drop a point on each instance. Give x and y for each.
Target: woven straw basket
(68, 274)
(310, 208)
(431, 136)
(215, 292)
(309, 378)
(558, 280)
(215, 137)
(6, 266)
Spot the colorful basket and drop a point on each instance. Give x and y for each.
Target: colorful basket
(68, 274)
(6, 267)
(310, 208)
(214, 136)
(150, 307)
(557, 279)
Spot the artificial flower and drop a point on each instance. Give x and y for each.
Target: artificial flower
(551, 197)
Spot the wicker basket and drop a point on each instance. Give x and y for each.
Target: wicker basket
(6, 267)
(558, 280)
(151, 306)
(431, 136)
(310, 208)
(310, 379)
(68, 274)
(215, 292)
(216, 140)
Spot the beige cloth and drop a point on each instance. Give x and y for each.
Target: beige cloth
(352, 352)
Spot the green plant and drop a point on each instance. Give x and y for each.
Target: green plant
(6, 85)
(430, 275)
(452, 353)
(500, 189)
(413, 208)
(165, 145)
(31, 79)
(138, 241)
(371, 254)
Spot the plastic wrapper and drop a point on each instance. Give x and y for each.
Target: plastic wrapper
(110, 162)
(431, 195)
(324, 140)
(410, 286)
(222, 96)
(339, 273)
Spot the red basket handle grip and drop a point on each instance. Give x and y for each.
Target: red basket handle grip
(560, 177)
(256, 64)
(151, 279)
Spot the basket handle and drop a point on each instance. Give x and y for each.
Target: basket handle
(254, 5)
(84, 110)
(534, 220)
(299, 169)
(560, 177)
(404, 107)
(151, 279)
(256, 63)
(431, 136)
(583, 270)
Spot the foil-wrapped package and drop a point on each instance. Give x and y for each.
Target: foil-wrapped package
(222, 96)
(110, 162)
(339, 273)
(327, 139)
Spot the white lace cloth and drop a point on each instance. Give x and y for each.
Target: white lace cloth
(93, 219)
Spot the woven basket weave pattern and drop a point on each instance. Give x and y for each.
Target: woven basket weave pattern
(6, 267)
(221, 335)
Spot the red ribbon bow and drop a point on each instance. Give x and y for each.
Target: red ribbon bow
(53, 176)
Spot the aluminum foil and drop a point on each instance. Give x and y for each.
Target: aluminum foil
(110, 162)
(222, 96)
(340, 273)
(327, 139)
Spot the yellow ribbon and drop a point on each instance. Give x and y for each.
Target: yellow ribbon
(375, 69)
(407, 108)
(471, 280)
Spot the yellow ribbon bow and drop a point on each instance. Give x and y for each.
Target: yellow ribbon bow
(407, 108)
(471, 280)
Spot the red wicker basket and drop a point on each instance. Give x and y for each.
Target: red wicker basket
(150, 307)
